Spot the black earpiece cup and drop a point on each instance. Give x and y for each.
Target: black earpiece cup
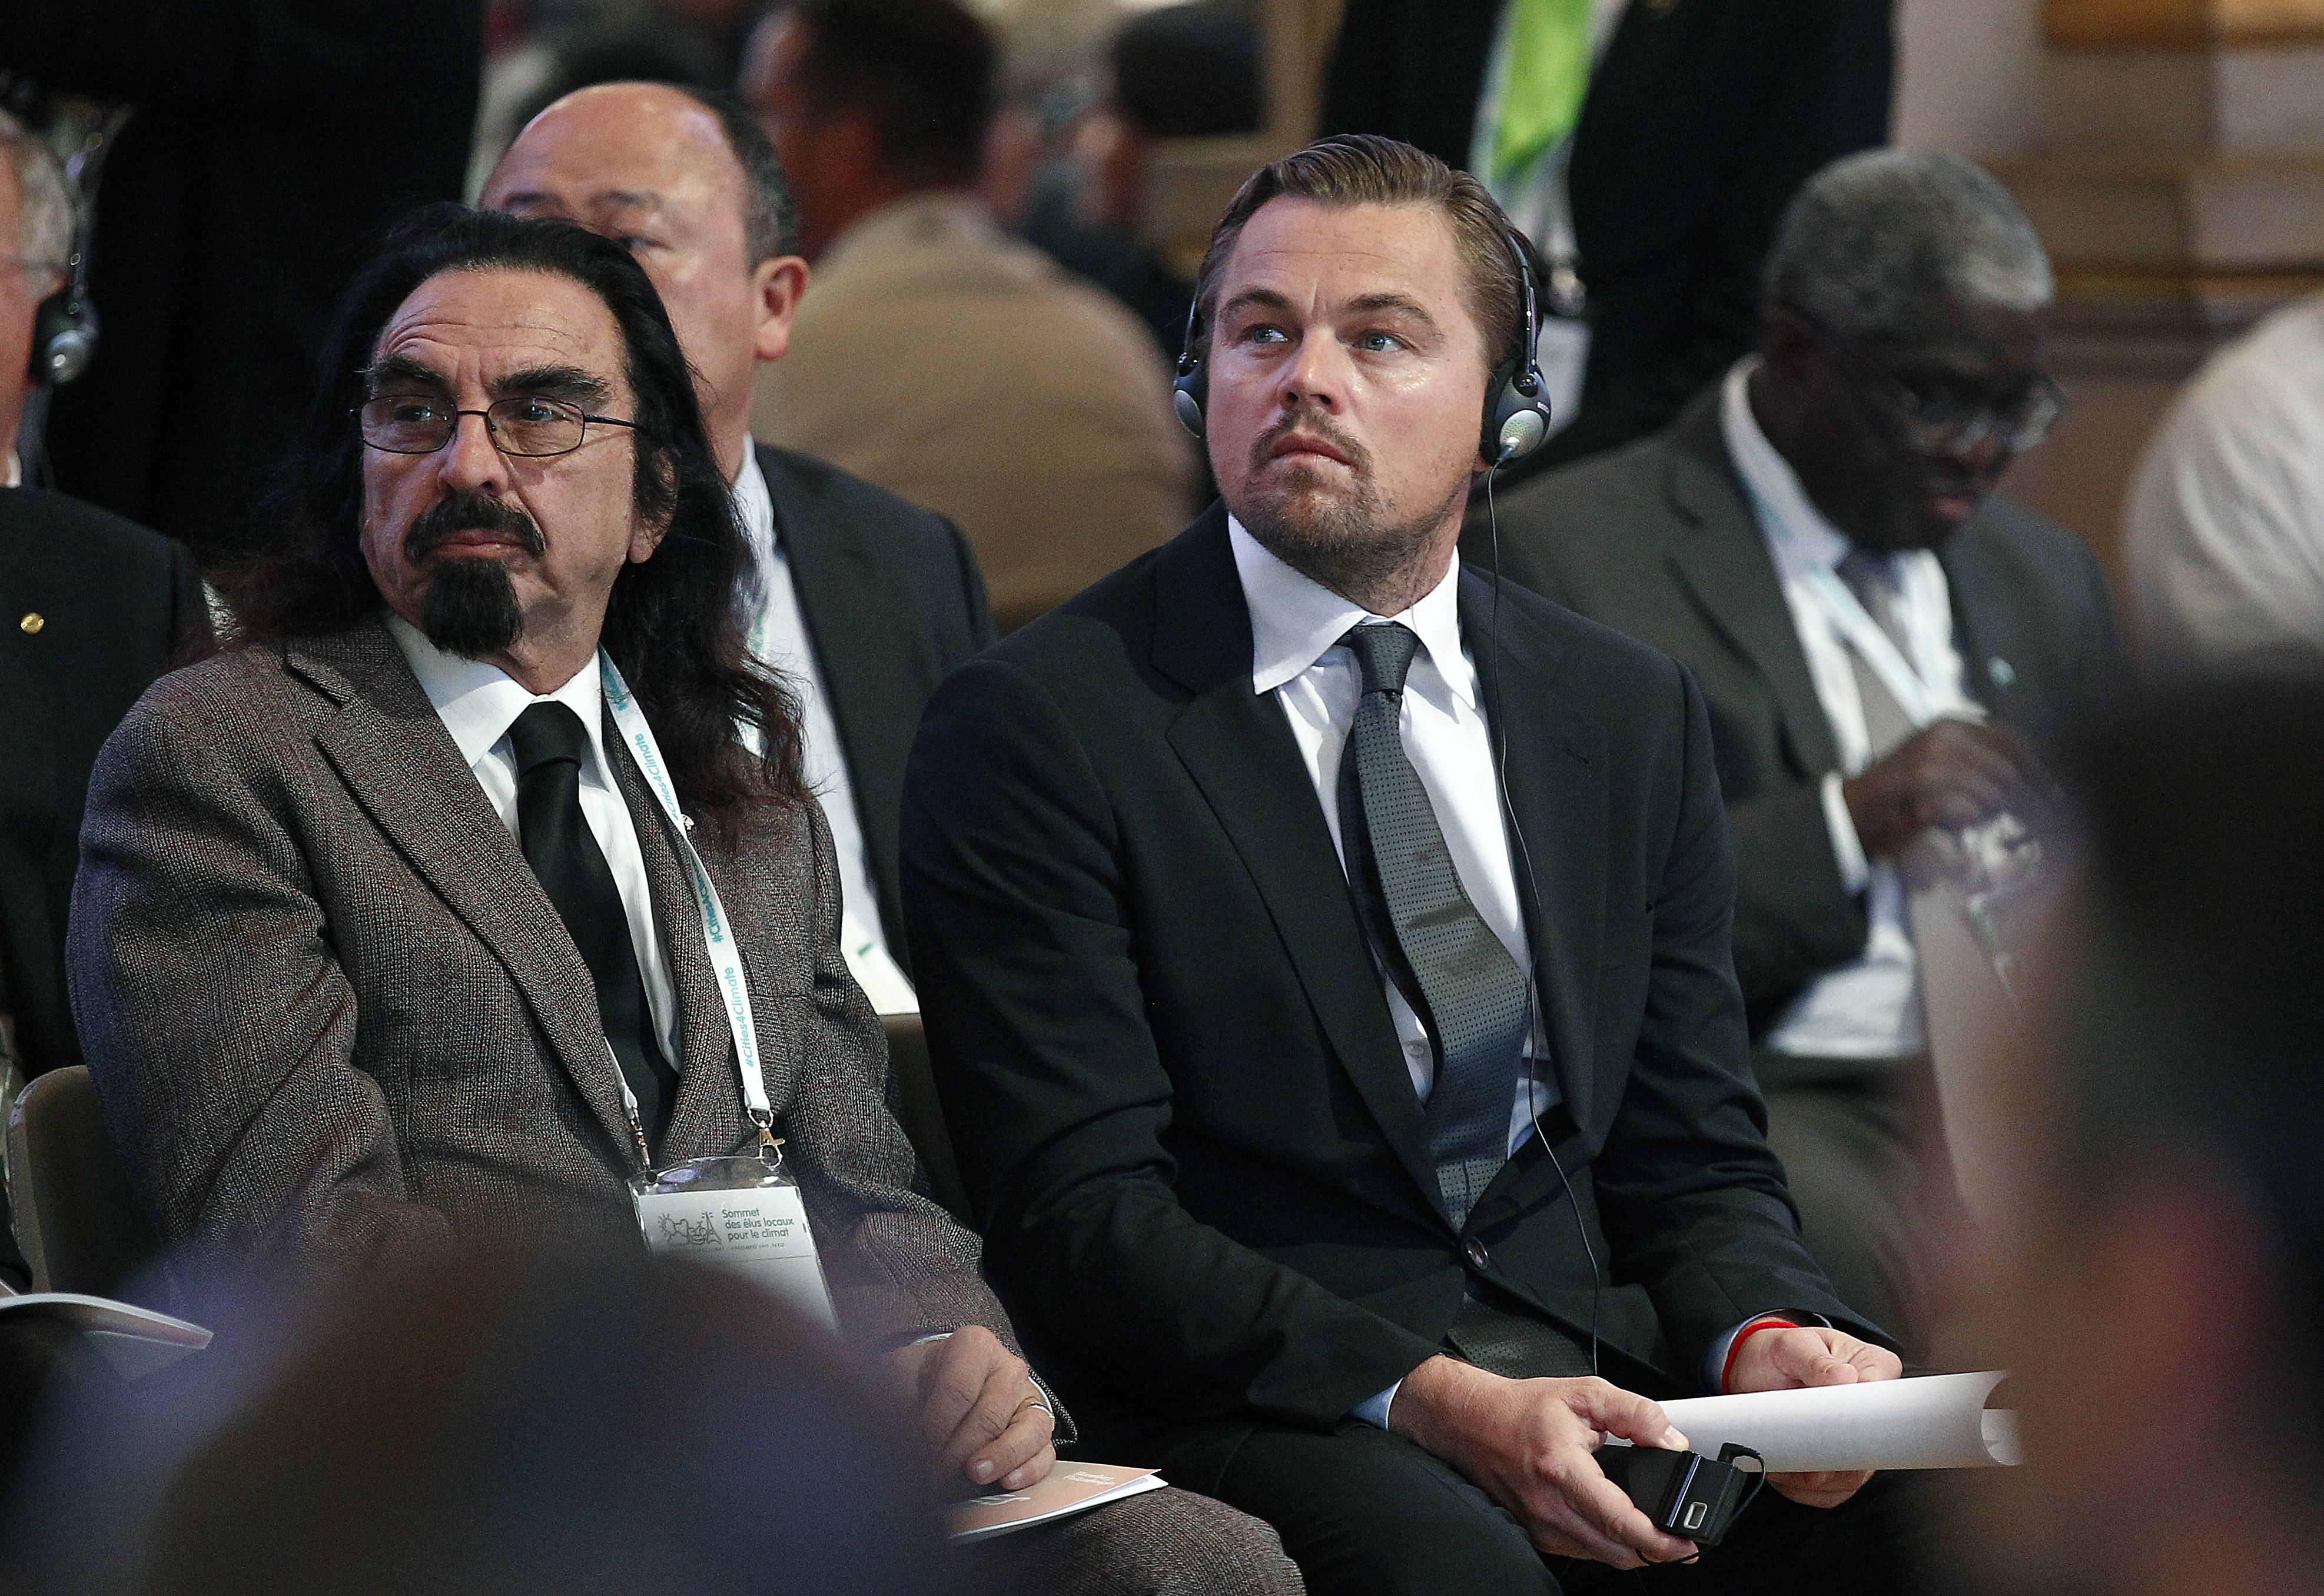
(64, 339)
(1189, 407)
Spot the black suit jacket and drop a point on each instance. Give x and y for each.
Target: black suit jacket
(1658, 540)
(1703, 120)
(1173, 1081)
(893, 601)
(114, 601)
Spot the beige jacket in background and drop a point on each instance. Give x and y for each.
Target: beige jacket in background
(949, 364)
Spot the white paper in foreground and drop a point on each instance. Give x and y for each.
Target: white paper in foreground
(1938, 1421)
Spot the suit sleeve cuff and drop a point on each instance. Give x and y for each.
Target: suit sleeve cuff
(1847, 847)
(1373, 1410)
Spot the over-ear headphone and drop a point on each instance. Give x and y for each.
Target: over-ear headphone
(64, 329)
(1517, 409)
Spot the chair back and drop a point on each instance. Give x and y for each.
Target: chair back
(921, 1114)
(77, 1218)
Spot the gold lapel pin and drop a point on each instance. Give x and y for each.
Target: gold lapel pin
(31, 624)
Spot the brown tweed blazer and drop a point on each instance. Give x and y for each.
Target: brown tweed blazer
(330, 1012)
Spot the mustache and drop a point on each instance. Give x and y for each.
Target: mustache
(1309, 419)
(470, 512)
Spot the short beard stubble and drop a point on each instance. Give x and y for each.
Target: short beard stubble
(470, 606)
(1342, 544)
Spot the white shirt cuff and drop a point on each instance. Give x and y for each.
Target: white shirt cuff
(1373, 1410)
(1847, 847)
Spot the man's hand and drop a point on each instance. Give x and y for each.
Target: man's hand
(1786, 1360)
(1954, 774)
(1527, 1445)
(985, 1418)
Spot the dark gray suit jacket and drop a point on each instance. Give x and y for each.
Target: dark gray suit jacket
(1659, 540)
(893, 601)
(330, 1012)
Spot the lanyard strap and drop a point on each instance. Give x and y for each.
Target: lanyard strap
(717, 933)
(1915, 685)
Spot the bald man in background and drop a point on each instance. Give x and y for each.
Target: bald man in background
(864, 601)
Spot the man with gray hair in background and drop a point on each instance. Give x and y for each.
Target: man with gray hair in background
(1885, 644)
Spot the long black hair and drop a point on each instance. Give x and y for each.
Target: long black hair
(672, 624)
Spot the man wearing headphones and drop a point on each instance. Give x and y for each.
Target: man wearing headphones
(1404, 1081)
(91, 608)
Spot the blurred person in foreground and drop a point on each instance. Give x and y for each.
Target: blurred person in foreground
(861, 601)
(2163, 1306)
(1389, 1108)
(1883, 641)
(2223, 530)
(387, 929)
(491, 1422)
(1648, 146)
(932, 353)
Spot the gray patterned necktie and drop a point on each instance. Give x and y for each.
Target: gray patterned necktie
(1438, 950)
(1872, 578)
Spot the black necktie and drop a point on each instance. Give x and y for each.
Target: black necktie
(1437, 949)
(550, 745)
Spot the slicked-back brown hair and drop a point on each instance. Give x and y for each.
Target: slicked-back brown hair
(1364, 168)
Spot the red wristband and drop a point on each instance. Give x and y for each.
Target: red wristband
(1744, 1334)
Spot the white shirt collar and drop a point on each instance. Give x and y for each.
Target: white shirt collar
(15, 470)
(1294, 620)
(754, 503)
(478, 702)
(1795, 529)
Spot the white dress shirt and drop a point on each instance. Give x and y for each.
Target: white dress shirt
(2223, 534)
(478, 703)
(778, 636)
(1870, 1008)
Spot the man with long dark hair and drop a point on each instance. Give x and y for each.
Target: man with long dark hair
(446, 901)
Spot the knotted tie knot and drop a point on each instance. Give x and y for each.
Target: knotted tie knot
(546, 733)
(1383, 652)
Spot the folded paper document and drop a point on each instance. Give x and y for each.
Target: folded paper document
(1938, 1421)
(1071, 1488)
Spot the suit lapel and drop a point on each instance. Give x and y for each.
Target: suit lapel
(876, 673)
(1721, 560)
(404, 768)
(1239, 749)
(707, 1088)
(1556, 792)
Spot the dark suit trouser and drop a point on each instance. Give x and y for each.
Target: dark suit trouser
(1366, 1513)
(1844, 1130)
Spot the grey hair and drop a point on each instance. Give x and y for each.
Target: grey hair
(1877, 238)
(45, 220)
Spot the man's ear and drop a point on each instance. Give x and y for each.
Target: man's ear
(776, 285)
(646, 535)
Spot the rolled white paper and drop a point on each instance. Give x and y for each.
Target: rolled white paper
(1938, 1421)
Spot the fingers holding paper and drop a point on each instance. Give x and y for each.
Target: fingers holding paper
(1529, 1442)
(984, 1419)
(1781, 1359)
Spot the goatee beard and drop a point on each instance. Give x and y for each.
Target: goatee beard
(1340, 543)
(470, 606)
(1343, 545)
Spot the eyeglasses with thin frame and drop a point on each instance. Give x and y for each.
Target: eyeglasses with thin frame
(522, 425)
(1954, 428)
